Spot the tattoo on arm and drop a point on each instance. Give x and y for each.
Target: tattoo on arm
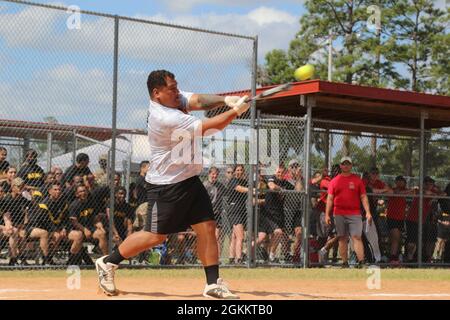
(210, 101)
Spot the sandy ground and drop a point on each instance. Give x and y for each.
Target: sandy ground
(55, 288)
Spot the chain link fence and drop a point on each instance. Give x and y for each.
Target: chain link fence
(69, 81)
(407, 231)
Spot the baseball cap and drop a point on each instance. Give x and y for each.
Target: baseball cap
(428, 179)
(343, 159)
(103, 157)
(292, 162)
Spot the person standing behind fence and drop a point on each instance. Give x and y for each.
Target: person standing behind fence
(14, 210)
(396, 212)
(10, 175)
(412, 221)
(101, 175)
(443, 227)
(31, 172)
(140, 191)
(4, 165)
(345, 194)
(80, 168)
(123, 217)
(237, 212)
(216, 191)
(326, 233)
(293, 206)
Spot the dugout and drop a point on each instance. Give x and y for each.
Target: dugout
(328, 106)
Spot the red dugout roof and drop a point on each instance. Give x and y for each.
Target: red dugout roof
(39, 130)
(367, 106)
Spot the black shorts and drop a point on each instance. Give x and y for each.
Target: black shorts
(271, 220)
(395, 224)
(412, 232)
(443, 232)
(218, 218)
(293, 219)
(237, 214)
(175, 207)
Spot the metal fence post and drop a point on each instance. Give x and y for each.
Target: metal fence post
(114, 133)
(423, 116)
(307, 175)
(252, 174)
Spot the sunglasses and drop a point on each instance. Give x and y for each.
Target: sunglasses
(346, 163)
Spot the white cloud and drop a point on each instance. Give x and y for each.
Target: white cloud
(70, 73)
(264, 15)
(187, 5)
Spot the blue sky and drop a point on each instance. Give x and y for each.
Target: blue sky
(48, 70)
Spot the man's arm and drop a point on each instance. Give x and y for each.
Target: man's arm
(273, 186)
(205, 102)
(330, 200)
(219, 122)
(365, 203)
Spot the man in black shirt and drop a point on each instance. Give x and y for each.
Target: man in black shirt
(48, 223)
(275, 217)
(141, 193)
(123, 216)
(80, 168)
(10, 175)
(13, 209)
(84, 214)
(216, 192)
(4, 165)
(31, 172)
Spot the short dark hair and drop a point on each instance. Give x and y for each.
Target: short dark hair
(213, 169)
(55, 184)
(31, 152)
(120, 188)
(143, 163)
(82, 157)
(3, 149)
(157, 79)
(400, 178)
(374, 170)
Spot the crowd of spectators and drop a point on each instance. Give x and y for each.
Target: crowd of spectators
(62, 216)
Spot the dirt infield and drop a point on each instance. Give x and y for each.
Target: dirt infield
(268, 284)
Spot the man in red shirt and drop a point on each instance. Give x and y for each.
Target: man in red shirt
(396, 211)
(412, 221)
(345, 194)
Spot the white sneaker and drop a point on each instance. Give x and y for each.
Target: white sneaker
(218, 290)
(105, 273)
(323, 256)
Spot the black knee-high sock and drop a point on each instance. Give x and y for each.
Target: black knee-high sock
(114, 258)
(212, 274)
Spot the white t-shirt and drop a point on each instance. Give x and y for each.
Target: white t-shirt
(175, 143)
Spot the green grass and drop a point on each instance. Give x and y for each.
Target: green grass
(267, 273)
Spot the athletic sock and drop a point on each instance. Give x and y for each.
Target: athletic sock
(85, 257)
(212, 274)
(74, 259)
(114, 258)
